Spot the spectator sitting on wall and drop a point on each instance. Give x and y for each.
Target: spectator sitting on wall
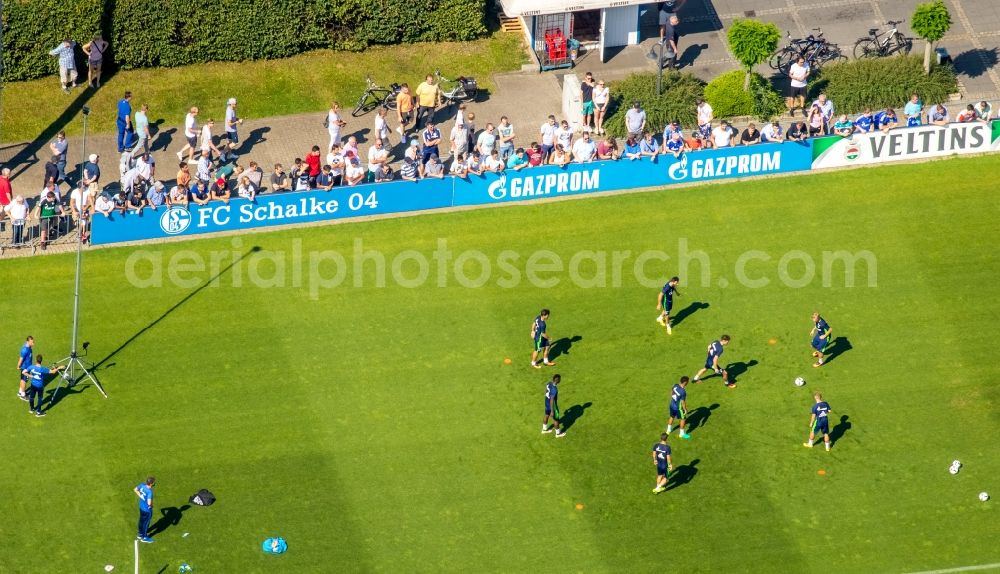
(200, 194)
(675, 145)
(584, 149)
(104, 205)
(247, 190)
(137, 199)
(120, 202)
(886, 119)
(408, 171)
(694, 142)
(607, 148)
(434, 168)
(721, 136)
(518, 160)
(536, 156)
(458, 167)
(632, 151)
(648, 147)
(384, 174)
(335, 159)
(560, 156)
(816, 124)
(325, 179)
(938, 115)
(475, 163)
(354, 173)
(279, 179)
(750, 135)
(913, 110)
(220, 190)
(157, 196)
(772, 132)
(844, 126)
(491, 162)
(865, 122)
(178, 196)
(984, 111)
(670, 129)
(966, 115)
(798, 132)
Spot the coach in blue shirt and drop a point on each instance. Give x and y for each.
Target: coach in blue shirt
(145, 493)
(124, 121)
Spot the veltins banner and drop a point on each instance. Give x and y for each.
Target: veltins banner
(906, 144)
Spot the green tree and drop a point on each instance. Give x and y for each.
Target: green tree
(752, 42)
(930, 21)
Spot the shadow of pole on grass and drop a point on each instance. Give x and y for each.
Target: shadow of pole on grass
(176, 306)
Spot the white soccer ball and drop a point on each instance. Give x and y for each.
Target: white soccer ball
(799, 381)
(953, 470)
(956, 463)
(984, 496)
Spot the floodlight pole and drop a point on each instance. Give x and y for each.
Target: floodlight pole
(75, 369)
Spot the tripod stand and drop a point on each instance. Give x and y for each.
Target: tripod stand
(75, 369)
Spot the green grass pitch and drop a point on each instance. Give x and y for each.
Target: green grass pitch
(379, 429)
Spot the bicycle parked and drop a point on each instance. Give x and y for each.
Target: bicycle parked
(878, 45)
(462, 89)
(816, 49)
(375, 96)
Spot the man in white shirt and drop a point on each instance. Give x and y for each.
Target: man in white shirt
(81, 202)
(721, 135)
(487, 141)
(206, 138)
(564, 136)
(190, 134)
(584, 150)
(772, 133)
(547, 133)
(204, 170)
(377, 155)
(798, 73)
(705, 116)
(635, 121)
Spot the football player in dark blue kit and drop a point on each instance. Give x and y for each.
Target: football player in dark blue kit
(678, 407)
(540, 340)
(820, 338)
(819, 422)
(661, 458)
(665, 302)
(712, 361)
(552, 407)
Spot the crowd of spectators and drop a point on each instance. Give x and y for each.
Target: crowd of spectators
(209, 169)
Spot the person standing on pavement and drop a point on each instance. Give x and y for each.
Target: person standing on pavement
(141, 131)
(67, 63)
(671, 37)
(333, 124)
(232, 122)
(95, 50)
(144, 491)
(505, 133)
(428, 95)
(404, 110)
(124, 121)
(587, 99)
(58, 148)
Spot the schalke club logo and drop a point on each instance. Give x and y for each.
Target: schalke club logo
(175, 220)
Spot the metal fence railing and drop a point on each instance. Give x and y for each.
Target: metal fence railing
(35, 233)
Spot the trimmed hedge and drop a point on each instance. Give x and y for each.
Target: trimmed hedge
(149, 33)
(676, 102)
(882, 82)
(728, 98)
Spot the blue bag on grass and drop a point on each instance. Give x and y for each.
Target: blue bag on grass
(274, 545)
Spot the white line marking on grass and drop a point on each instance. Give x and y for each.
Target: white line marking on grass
(995, 565)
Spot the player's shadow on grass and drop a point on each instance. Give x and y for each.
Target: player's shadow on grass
(686, 312)
(237, 261)
(699, 417)
(736, 370)
(683, 474)
(562, 346)
(838, 431)
(169, 516)
(574, 412)
(838, 347)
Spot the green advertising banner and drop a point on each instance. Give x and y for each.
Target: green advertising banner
(906, 144)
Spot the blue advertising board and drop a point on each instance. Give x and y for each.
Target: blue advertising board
(574, 179)
(428, 194)
(279, 209)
